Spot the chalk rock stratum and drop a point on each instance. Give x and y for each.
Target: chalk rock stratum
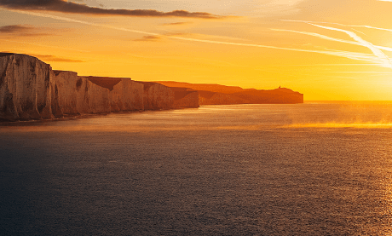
(31, 90)
(25, 88)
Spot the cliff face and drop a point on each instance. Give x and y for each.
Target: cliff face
(124, 93)
(74, 95)
(276, 96)
(216, 88)
(30, 90)
(212, 98)
(95, 98)
(127, 96)
(215, 94)
(157, 97)
(185, 98)
(64, 93)
(24, 88)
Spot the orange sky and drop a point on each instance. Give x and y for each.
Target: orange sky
(327, 50)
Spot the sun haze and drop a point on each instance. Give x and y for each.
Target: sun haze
(327, 50)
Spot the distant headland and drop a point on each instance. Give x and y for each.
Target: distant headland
(31, 90)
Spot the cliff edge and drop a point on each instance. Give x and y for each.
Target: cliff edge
(215, 94)
(31, 90)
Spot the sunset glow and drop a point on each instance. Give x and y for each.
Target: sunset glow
(327, 50)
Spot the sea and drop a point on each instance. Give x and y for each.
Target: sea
(318, 168)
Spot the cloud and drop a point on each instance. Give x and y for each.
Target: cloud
(71, 7)
(21, 30)
(377, 28)
(386, 61)
(44, 45)
(149, 38)
(176, 23)
(346, 54)
(333, 23)
(379, 56)
(157, 37)
(54, 58)
(331, 38)
(10, 29)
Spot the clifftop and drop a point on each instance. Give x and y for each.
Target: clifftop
(215, 94)
(31, 90)
(217, 88)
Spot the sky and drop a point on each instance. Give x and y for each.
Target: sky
(325, 49)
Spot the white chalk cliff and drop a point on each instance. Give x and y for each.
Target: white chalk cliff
(25, 88)
(31, 90)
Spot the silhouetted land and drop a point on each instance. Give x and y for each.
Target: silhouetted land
(215, 94)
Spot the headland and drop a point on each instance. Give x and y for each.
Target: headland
(31, 90)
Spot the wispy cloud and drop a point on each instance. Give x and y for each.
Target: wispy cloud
(377, 28)
(317, 35)
(14, 28)
(44, 45)
(149, 38)
(334, 23)
(383, 60)
(177, 23)
(370, 58)
(21, 30)
(71, 7)
(54, 58)
(331, 38)
(386, 61)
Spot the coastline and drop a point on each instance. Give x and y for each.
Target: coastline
(31, 90)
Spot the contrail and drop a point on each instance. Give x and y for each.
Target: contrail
(377, 52)
(372, 27)
(333, 23)
(350, 55)
(331, 38)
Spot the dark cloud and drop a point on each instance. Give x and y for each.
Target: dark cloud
(15, 29)
(21, 30)
(54, 58)
(154, 38)
(149, 38)
(71, 7)
(177, 23)
(43, 57)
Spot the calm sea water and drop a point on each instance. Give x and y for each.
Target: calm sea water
(307, 169)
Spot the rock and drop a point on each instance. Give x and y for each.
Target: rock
(157, 96)
(30, 90)
(25, 88)
(185, 98)
(92, 98)
(125, 94)
(215, 94)
(214, 98)
(65, 85)
(216, 88)
(275, 96)
(74, 95)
